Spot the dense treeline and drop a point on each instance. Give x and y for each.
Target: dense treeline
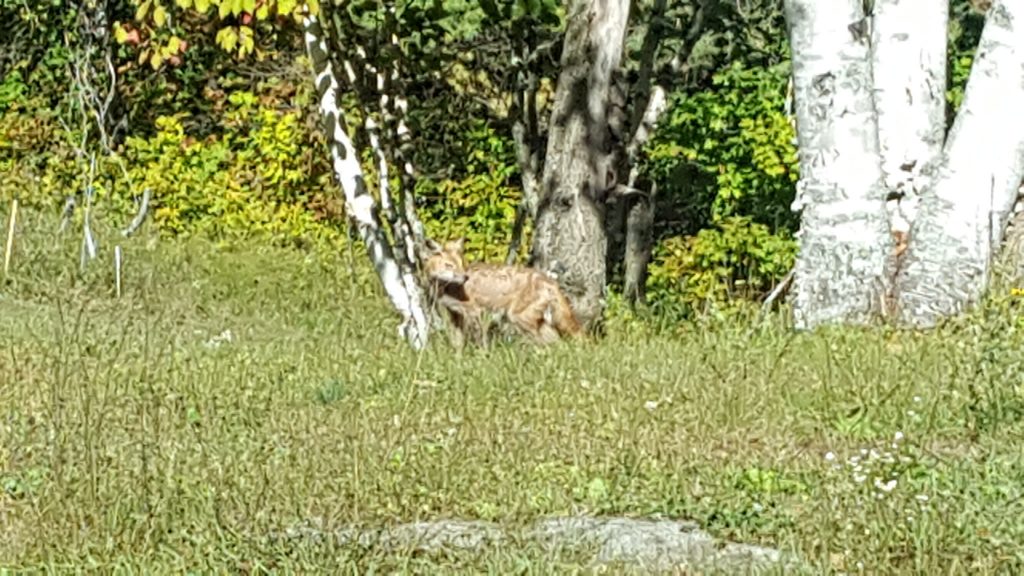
(213, 110)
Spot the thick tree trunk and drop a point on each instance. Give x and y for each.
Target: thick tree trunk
(399, 281)
(909, 69)
(962, 218)
(570, 216)
(842, 272)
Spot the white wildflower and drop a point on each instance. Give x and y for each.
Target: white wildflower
(885, 486)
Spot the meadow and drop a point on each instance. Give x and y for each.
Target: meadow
(231, 393)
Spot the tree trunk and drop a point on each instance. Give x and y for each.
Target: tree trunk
(909, 70)
(570, 217)
(842, 272)
(399, 281)
(639, 241)
(525, 133)
(640, 219)
(962, 218)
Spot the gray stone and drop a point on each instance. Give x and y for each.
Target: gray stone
(642, 544)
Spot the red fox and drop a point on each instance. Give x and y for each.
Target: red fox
(530, 299)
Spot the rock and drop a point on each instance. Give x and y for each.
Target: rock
(647, 545)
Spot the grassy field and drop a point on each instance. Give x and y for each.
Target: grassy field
(230, 394)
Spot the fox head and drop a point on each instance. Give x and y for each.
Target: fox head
(445, 264)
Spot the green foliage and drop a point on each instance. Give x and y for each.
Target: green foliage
(250, 180)
(965, 26)
(730, 149)
(726, 162)
(479, 204)
(738, 258)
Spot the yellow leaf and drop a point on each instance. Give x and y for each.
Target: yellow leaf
(227, 38)
(156, 61)
(202, 6)
(223, 8)
(119, 34)
(183, 4)
(285, 6)
(173, 45)
(142, 11)
(248, 6)
(159, 16)
(245, 33)
(262, 12)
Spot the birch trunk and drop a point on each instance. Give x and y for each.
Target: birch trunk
(908, 60)
(963, 218)
(842, 272)
(399, 282)
(570, 230)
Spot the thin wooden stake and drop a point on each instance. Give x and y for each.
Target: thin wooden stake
(10, 236)
(117, 269)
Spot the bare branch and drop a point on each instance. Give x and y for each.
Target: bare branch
(140, 216)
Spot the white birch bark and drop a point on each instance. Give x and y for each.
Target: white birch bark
(399, 284)
(842, 269)
(908, 61)
(963, 217)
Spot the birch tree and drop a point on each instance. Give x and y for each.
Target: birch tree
(842, 272)
(570, 234)
(908, 62)
(397, 274)
(966, 186)
(964, 215)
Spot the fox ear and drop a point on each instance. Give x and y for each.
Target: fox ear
(456, 245)
(432, 246)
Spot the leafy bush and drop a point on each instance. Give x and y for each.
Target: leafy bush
(479, 204)
(251, 179)
(738, 258)
(726, 162)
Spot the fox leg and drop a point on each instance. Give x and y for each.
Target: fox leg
(531, 319)
(560, 315)
(458, 332)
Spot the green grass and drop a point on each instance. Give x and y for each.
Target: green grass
(129, 443)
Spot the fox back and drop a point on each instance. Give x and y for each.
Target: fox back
(530, 299)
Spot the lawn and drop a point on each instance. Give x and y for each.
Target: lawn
(233, 393)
